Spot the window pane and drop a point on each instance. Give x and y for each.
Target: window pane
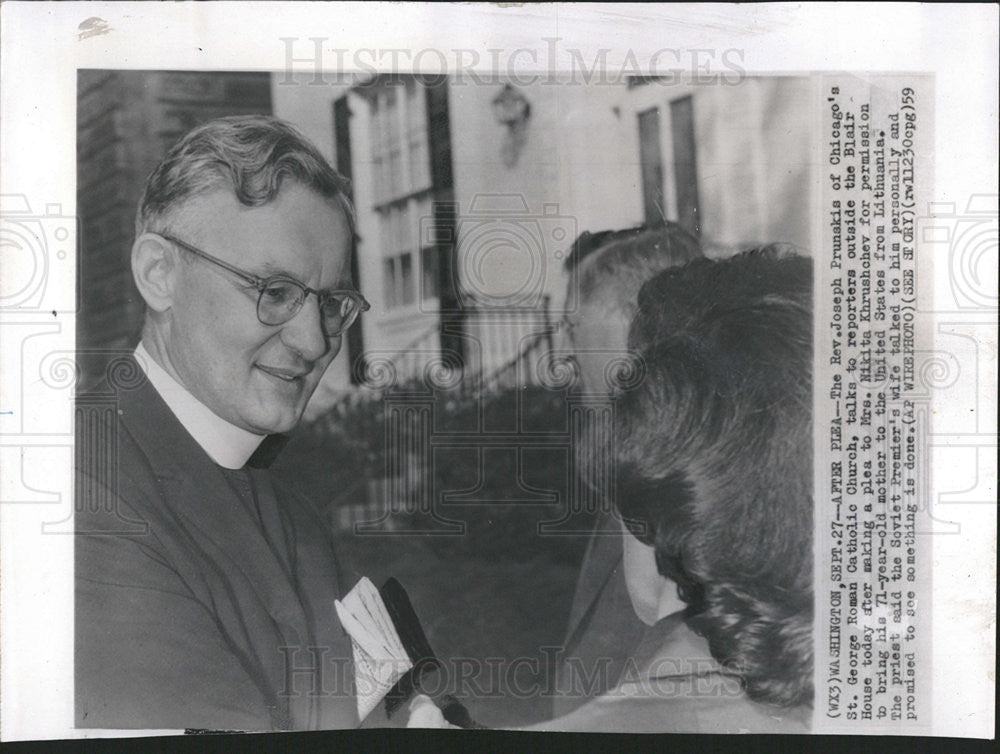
(384, 232)
(379, 178)
(402, 231)
(389, 236)
(685, 164)
(389, 283)
(416, 113)
(426, 230)
(416, 109)
(429, 272)
(406, 278)
(396, 187)
(376, 130)
(420, 167)
(392, 115)
(388, 190)
(651, 162)
(390, 232)
(399, 143)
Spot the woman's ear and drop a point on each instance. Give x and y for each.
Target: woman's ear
(155, 267)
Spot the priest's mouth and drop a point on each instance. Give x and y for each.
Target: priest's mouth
(290, 376)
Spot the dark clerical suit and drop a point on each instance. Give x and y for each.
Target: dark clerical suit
(603, 628)
(204, 596)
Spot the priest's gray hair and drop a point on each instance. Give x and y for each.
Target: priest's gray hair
(251, 155)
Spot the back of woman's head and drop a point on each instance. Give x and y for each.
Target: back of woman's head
(715, 454)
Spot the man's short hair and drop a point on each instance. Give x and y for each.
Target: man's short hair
(250, 155)
(613, 265)
(715, 458)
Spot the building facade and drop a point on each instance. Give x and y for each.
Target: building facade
(469, 194)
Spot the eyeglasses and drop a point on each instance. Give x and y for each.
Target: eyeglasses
(280, 298)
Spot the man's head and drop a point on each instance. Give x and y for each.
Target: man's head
(607, 271)
(237, 205)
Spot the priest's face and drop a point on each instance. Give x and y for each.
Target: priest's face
(259, 377)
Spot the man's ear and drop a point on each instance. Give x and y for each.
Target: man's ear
(155, 267)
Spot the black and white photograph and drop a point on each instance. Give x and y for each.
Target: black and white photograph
(545, 369)
(195, 616)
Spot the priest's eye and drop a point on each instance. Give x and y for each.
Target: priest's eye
(280, 294)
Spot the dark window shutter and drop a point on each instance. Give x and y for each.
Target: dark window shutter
(445, 216)
(439, 134)
(342, 137)
(342, 149)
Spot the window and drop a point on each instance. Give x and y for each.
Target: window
(398, 282)
(685, 165)
(651, 164)
(429, 268)
(400, 153)
(402, 176)
(683, 168)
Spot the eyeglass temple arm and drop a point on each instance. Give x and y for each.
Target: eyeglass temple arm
(258, 282)
(261, 283)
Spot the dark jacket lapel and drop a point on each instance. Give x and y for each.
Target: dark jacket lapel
(602, 557)
(223, 553)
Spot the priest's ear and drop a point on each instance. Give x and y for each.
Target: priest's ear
(155, 267)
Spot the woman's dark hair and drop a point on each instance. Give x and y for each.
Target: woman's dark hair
(715, 458)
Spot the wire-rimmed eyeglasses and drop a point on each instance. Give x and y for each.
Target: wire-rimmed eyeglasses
(280, 297)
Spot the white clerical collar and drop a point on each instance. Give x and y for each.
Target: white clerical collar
(226, 444)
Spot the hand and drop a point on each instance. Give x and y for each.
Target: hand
(424, 713)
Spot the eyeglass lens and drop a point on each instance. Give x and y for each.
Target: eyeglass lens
(281, 300)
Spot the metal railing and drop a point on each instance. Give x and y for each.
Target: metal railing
(503, 348)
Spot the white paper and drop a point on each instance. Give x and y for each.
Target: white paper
(380, 659)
